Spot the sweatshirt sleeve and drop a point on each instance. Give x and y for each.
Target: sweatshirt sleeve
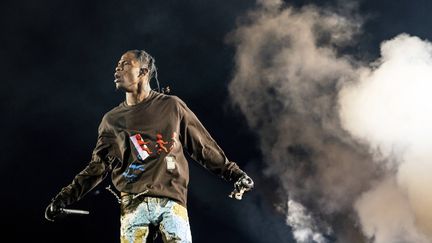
(202, 147)
(95, 171)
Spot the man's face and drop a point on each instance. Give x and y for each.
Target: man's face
(128, 74)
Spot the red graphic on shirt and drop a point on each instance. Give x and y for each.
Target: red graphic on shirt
(142, 143)
(160, 143)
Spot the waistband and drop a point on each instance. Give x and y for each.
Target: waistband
(127, 199)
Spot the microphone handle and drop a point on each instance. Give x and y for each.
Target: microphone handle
(74, 211)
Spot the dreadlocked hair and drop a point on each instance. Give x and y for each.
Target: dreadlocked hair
(147, 61)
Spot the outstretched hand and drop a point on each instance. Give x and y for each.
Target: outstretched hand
(53, 210)
(242, 185)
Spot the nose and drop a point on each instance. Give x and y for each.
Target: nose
(117, 69)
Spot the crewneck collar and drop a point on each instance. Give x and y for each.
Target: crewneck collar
(151, 95)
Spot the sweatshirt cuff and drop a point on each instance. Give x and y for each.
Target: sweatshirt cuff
(236, 174)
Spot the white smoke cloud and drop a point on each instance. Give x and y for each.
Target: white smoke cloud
(343, 137)
(303, 224)
(391, 109)
(386, 214)
(287, 72)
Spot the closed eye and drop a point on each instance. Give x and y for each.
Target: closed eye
(123, 63)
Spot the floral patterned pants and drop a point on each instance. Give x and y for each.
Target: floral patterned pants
(138, 213)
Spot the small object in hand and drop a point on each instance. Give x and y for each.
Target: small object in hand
(56, 210)
(244, 184)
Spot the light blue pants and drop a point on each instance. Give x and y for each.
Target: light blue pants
(137, 214)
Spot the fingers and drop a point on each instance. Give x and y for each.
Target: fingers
(52, 211)
(49, 214)
(247, 182)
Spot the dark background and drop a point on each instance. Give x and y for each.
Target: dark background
(58, 59)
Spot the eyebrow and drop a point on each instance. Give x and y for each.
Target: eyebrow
(123, 61)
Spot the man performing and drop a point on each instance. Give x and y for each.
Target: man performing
(141, 143)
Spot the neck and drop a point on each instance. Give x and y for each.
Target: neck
(135, 97)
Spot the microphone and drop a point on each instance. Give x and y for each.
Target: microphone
(74, 211)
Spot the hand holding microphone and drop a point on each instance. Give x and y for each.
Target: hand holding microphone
(56, 209)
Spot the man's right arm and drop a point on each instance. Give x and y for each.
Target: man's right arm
(90, 176)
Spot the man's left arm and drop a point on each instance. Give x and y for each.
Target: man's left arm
(199, 144)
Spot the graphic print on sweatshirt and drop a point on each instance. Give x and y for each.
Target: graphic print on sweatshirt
(133, 172)
(143, 150)
(140, 146)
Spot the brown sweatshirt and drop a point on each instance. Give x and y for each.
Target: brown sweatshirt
(142, 146)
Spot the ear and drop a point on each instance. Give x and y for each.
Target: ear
(143, 71)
